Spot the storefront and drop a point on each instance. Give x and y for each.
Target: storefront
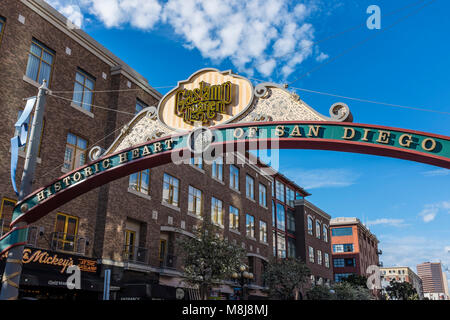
(46, 274)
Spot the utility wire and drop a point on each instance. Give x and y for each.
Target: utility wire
(91, 105)
(361, 43)
(371, 101)
(117, 90)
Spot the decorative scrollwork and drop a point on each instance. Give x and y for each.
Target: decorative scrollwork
(152, 113)
(341, 112)
(154, 135)
(258, 117)
(95, 153)
(261, 91)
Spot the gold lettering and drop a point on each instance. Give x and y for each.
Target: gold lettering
(77, 176)
(157, 147)
(296, 132)
(252, 131)
(406, 143)
(66, 181)
(41, 196)
(88, 172)
(383, 136)
(49, 192)
(315, 130)
(366, 132)
(168, 144)
(279, 131)
(146, 151)
(238, 133)
(123, 157)
(135, 153)
(424, 144)
(106, 163)
(352, 135)
(97, 168)
(58, 186)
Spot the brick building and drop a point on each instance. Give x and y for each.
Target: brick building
(354, 247)
(435, 285)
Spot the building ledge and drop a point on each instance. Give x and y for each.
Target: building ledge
(139, 194)
(171, 206)
(76, 107)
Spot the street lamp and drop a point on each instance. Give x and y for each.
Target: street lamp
(243, 277)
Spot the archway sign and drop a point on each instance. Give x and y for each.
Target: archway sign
(218, 112)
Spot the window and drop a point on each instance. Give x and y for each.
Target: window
(327, 260)
(281, 222)
(274, 243)
(338, 263)
(262, 231)
(310, 225)
(162, 249)
(40, 62)
(290, 221)
(280, 190)
(234, 218)
(140, 106)
(325, 233)
(75, 155)
(6, 213)
(250, 226)
(2, 27)
(217, 169)
(337, 232)
(291, 248)
(319, 257)
(217, 211)
(140, 181)
(195, 201)
(130, 239)
(171, 190)
(290, 197)
(318, 229)
(82, 91)
(66, 228)
(273, 213)
(339, 276)
(197, 161)
(281, 245)
(311, 254)
(234, 177)
(348, 247)
(347, 262)
(250, 187)
(262, 195)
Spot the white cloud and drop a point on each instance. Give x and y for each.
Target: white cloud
(436, 173)
(323, 178)
(69, 9)
(387, 221)
(410, 251)
(322, 57)
(261, 35)
(430, 211)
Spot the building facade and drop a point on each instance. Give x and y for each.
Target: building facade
(354, 248)
(129, 226)
(435, 285)
(401, 274)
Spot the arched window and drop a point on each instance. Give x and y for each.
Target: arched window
(318, 229)
(310, 225)
(325, 233)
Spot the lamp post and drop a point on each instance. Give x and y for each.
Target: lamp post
(243, 277)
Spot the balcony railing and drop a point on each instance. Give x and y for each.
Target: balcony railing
(33, 232)
(169, 262)
(135, 254)
(379, 252)
(61, 241)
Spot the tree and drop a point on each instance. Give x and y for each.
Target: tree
(285, 277)
(209, 259)
(401, 291)
(356, 280)
(320, 292)
(346, 291)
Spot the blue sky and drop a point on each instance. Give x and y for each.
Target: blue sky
(406, 204)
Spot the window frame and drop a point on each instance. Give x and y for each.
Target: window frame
(64, 240)
(195, 197)
(233, 222)
(43, 47)
(2, 31)
(76, 148)
(250, 222)
(215, 165)
(311, 254)
(139, 176)
(249, 187)
(217, 213)
(262, 231)
(262, 194)
(234, 178)
(86, 76)
(318, 228)
(172, 187)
